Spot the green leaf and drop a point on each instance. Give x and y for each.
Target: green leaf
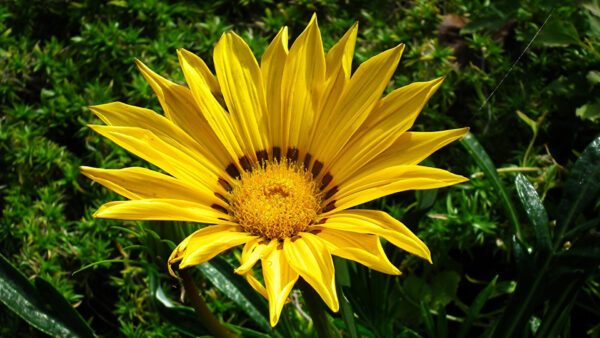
(580, 258)
(485, 164)
(583, 227)
(559, 308)
(522, 257)
(342, 278)
(41, 305)
(559, 34)
(425, 198)
(221, 275)
(427, 319)
(183, 318)
(475, 308)
(589, 111)
(592, 6)
(444, 286)
(442, 323)
(593, 77)
(581, 188)
(535, 212)
(531, 284)
(531, 123)
(347, 313)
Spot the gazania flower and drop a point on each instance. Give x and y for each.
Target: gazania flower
(273, 155)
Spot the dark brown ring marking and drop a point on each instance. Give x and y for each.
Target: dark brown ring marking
(276, 154)
(233, 171)
(292, 154)
(316, 169)
(326, 180)
(331, 192)
(329, 206)
(219, 208)
(222, 198)
(245, 163)
(307, 160)
(262, 156)
(225, 184)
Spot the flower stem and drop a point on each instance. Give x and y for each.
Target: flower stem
(210, 322)
(316, 310)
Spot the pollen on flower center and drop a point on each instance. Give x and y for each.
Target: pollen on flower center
(275, 200)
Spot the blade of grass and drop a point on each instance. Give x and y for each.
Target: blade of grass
(484, 162)
(475, 308)
(342, 277)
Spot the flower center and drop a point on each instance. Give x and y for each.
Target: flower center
(275, 200)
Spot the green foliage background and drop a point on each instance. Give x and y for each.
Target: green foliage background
(58, 57)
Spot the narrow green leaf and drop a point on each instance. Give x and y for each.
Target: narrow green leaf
(583, 227)
(41, 306)
(221, 275)
(427, 319)
(559, 309)
(535, 212)
(442, 323)
(106, 261)
(476, 307)
(245, 332)
(342, 278)
(485, 164)
(530, 289)
(531, 123)
(579, 258)
(581, 188)
(183, 318)
(347, 314)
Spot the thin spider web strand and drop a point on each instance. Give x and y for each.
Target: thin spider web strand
(518, 59)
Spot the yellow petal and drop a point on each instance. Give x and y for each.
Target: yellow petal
(161, 210)
(279, 280)
(379, 182)
(338, 69)
(413, 147)
(358, 99)
(309, 257)
(272, 64)
(403, 105)
(140, 183)
(393, 115)
(363, 248)
(179, 106)
(303, 77)
(242, 87)
(253, 251)
(122, 115)
(199, 80)
(339, 57)
(257, 286)
(381, 224)
(206, 243)
(151, 148)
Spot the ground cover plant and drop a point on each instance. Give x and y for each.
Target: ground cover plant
(515, 249)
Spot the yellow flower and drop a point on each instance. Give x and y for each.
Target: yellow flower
(273, 155)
